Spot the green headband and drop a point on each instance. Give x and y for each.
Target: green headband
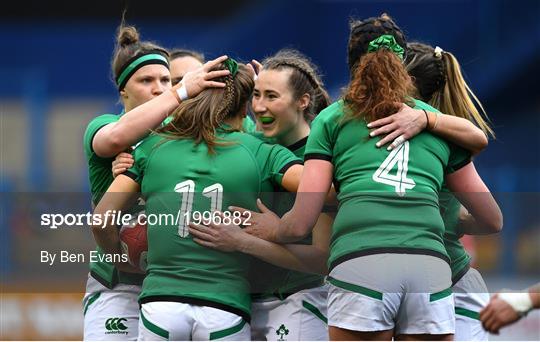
(232, 65)
(136, 63)
(386, 41)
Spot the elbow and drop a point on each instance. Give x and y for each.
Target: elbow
(292, 229)
(494, 224)
(482, 143)
(498, 223)
(295, 232)
(299, 232)
(110, 148)
(117, 142)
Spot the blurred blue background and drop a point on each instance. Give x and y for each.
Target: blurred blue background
(55, 67)
(58, 54)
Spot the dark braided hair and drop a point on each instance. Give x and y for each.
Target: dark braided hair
(428, 70)
(227, 103)
(304, 79)
(199, 118)
(364, 31)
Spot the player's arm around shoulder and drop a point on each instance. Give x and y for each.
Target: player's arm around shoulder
(475, 196)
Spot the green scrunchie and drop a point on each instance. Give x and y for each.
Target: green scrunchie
(386, 41)
(232, 65)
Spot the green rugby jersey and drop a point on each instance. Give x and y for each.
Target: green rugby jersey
(99, 169)
(388, 200)
(179, 177)
(100, 173)
(270, 280)
(459, 259)
(248, 125)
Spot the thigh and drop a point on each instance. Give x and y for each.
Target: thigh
(470, 296)
(162, 321)
(215, 324)
(428, 304)
(111, 314)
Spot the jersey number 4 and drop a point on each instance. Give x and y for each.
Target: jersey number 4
(187, 189)
(398, 157)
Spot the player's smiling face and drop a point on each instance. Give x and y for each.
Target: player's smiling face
(148, 82)
(276, 111)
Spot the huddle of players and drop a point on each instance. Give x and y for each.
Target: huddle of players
(391, 258)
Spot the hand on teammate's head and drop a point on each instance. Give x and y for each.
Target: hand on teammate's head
(257, 66)
(197, 80)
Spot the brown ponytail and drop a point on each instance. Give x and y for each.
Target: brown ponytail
(379, 85)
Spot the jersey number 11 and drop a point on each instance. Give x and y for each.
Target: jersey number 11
(187, 188)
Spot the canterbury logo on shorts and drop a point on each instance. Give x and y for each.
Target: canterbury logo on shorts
(115, 325)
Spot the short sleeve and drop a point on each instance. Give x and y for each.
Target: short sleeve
(279, 160)
(320, 142)
(93, 127)
(459, 157)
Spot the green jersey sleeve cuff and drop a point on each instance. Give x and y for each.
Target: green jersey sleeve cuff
(288, 166)
(458, 166)
(132, 175)
(320, 156)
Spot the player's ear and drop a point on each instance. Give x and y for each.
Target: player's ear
(303, 102)
(123, 94)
